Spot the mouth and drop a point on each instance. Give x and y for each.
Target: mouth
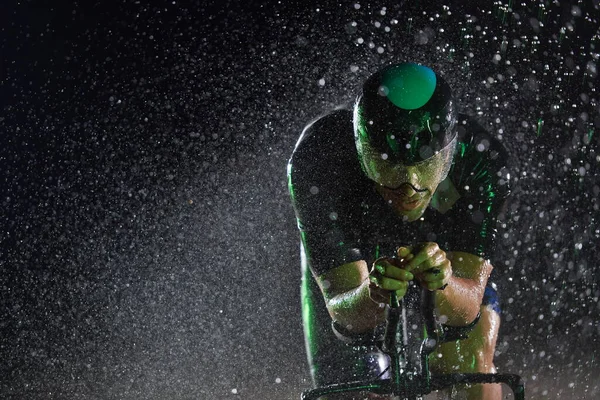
(407, 203)
(410, 203)
(403, 201)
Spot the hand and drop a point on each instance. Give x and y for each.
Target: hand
(388, 275)
(429, 265)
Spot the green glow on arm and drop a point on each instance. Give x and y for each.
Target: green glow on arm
(289, 182)
(462, 148)
(477, 165)
(481, 173)
(308, 315)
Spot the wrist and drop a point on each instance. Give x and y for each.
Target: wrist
(377, 294)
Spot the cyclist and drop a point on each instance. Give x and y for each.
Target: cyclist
(397, 192)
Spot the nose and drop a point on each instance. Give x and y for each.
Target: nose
(409, 177)
(407, 190)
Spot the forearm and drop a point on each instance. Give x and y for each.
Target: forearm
(355, 310)
(459, 302)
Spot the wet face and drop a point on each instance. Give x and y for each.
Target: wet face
(408, 189)
(406, 200)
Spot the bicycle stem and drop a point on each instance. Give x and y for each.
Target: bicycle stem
(432, 330)
(406, 383)
(393, 334)
(390, 341)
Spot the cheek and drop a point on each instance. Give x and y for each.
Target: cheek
(429, 180)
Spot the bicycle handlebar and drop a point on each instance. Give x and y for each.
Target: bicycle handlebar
(407, 384)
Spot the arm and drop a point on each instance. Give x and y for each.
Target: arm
(346, 293)
(355, 298)
(462, 276)
(461, 299)
(349, 295)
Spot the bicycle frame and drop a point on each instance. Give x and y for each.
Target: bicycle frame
(405, 383)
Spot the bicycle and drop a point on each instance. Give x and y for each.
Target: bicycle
(404, 382)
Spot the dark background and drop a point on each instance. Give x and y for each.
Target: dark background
(148, 245)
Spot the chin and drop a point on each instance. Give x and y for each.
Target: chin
(411, 215)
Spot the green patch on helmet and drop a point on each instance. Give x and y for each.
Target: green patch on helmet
(408, 86)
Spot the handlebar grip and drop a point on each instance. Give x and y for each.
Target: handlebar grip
(394, 302)
(428, 310)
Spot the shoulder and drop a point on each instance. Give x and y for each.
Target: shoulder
(326, 144)
(329, 132)
(481, 182)
(481, 159)
(323, 171)
(478, 142)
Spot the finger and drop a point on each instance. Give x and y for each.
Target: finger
(434, 285)
(391, 284)
(416, 264)
(381, 267)
(432, 275)
(442, 271)
(439, 275)
(397, 273)
(378, 267)
(435, 260)
(401, 293)
(401, 262)
(428, 251)
(437, 285)
(422, 254)
(377, 294)
(403, 251)
(381, 263)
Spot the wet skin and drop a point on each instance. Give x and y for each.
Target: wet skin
(405, 201)
(408, 189)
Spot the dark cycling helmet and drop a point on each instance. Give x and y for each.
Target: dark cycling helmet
(405, 115)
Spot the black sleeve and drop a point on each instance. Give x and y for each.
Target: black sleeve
(481, 175)
(319, 181)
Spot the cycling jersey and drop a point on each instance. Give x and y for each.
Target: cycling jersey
(342, 219)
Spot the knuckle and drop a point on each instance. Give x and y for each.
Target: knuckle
(388, 262)
(381, 261)
(388, 283)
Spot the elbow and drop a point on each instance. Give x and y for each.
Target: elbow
(459, 303)
(459, 319)
(472, 316)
